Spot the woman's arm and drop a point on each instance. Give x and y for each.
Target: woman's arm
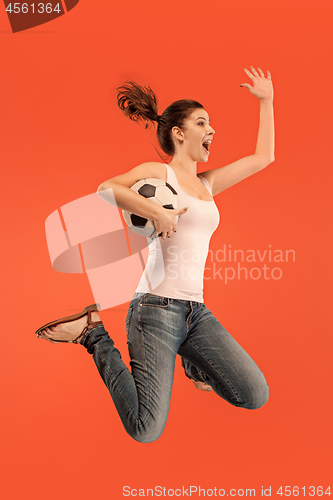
(117, 192)
(222, 178)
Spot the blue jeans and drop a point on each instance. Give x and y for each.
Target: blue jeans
(159, 328)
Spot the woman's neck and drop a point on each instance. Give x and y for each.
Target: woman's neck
(186, 165)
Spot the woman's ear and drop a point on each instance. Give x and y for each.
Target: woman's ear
(177, 134)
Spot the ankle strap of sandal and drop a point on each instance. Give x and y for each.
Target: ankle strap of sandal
(90, 326)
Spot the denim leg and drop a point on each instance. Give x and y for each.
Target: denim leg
(157, 329)
(142, 395)
(213, 356)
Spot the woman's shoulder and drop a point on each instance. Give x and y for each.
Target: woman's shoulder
(151, 169)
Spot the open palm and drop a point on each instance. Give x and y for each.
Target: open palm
(262, 86)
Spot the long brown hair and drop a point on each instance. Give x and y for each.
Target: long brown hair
(140, 103)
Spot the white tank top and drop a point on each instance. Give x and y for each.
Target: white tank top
(175, 265)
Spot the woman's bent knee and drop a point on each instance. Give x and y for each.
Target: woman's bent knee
(146, 436)
(146, 430)
(257, 397)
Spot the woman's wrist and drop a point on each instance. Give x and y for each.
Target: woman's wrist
(156, 212)
(266, 101)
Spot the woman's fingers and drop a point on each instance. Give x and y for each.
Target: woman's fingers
(254, 71)
(262, 86)
(170, 223)
(166, 235)
(249, 74)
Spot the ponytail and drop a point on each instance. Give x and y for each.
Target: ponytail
(140, 103)
(137, 102)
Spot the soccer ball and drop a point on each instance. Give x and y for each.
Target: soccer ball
(158, 191)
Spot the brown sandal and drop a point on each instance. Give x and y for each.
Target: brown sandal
(87, 310)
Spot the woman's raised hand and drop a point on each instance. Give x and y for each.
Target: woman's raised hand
(167, 220)
(262, 86)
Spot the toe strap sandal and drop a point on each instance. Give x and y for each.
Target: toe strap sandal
(91, 324)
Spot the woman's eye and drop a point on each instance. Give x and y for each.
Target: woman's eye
(200, 123)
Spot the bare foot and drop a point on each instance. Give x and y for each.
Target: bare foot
(68, 331)
(201, 385)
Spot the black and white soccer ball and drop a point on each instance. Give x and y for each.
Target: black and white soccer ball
(159, 192)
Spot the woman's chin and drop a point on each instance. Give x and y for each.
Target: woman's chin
(202, 158)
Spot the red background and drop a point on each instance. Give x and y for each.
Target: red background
(61, 136)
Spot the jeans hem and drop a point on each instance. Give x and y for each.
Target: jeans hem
(86, 336)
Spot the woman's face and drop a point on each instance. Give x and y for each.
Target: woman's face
(196, 135)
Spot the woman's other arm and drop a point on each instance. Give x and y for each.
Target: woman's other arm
(224, 177)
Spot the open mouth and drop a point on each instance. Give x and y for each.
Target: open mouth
(206, 146)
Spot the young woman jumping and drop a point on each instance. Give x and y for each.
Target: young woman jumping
(171, 318)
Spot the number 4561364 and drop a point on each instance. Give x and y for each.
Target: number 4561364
(40, 8)
(310, 491)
